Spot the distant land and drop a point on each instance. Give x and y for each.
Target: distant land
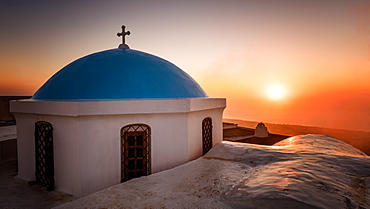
(358, 139)
(5, 115)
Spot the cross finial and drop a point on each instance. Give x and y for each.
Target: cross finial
(123, 34)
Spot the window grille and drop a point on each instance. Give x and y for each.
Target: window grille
(44, 154)
(207, 134)
(135, 156)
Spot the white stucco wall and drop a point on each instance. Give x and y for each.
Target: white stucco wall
(195, 143)
(87, 141)
(26, 146)
(66, 150)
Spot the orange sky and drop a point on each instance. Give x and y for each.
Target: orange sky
(318, 50)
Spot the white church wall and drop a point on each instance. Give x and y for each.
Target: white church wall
(66, 146)
(102, 134)
(65, 140)
(195, 120)
(99, 148)
(169, 137)
(195, 134)
(87, 136)
(25, 146)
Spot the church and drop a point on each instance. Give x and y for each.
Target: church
(112, 116)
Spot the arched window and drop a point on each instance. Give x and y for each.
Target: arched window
(207, 134)
(135, 148)
(44, 154)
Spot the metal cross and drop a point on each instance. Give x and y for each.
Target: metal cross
(123, 34)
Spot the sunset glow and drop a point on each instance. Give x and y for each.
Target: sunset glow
(316, 53)
(276, 92)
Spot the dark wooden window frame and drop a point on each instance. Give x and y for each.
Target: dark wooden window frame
(207, 134)
(135, 151)
(44, 155)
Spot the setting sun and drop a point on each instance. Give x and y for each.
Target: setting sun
(276, 92)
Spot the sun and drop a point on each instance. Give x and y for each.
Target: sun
(276, 92)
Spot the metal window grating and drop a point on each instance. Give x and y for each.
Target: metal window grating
(207, 134)
(44, 154)
(135, 156)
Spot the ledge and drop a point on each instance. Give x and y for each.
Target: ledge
(115, 107)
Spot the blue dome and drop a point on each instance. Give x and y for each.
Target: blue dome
(119, 74)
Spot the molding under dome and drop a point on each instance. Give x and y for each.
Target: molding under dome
(116, 107)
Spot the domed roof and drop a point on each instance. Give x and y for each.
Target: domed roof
(119, 74)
